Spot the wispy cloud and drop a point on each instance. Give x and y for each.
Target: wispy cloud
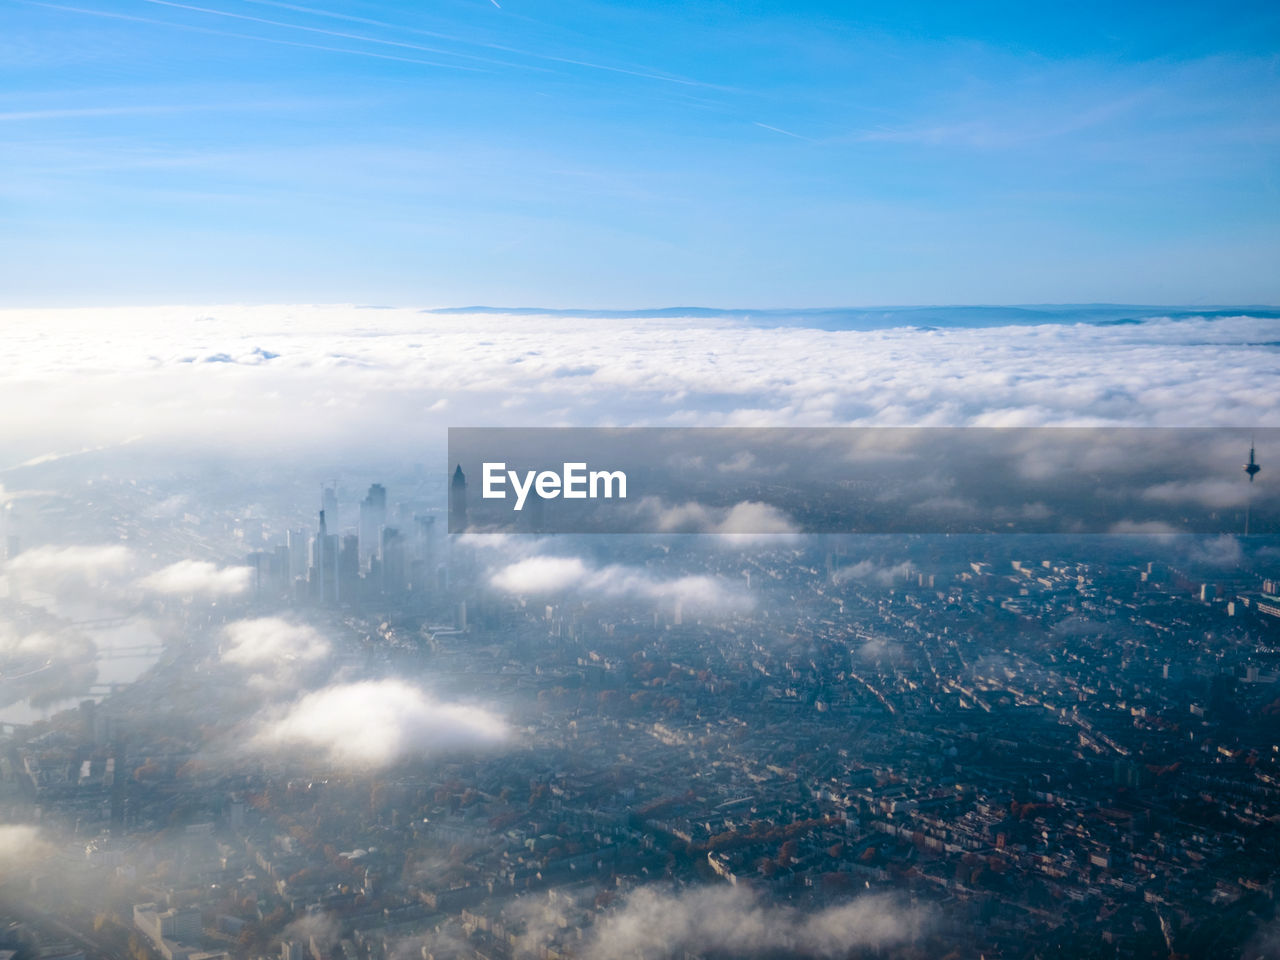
(638, 72)
(995, 132)
(142, 110)
(241, 36)
(785, 133)
(340, 34)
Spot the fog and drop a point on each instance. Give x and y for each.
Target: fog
(725, 738)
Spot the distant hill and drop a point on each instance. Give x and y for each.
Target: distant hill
(881, 318)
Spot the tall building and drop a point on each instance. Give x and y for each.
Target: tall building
(394, 579)
(373, 517)
(282, 567)
(423, 564)
(297, 545)
(349, 569)
(168, 930)
(329, 504)
(458, 501)
(324, 567)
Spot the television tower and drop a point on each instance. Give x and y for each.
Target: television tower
(1252, 469)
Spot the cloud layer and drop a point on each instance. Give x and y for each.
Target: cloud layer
(236, 378)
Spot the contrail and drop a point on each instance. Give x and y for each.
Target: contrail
(785, 133)
(362, 38)
(550, 58)
(243, 36)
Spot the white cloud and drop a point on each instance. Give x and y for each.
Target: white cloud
(54, 565)
(746, 463)
(14, 644)
(655, 923)
(65, 646)
(695, 593)
(880, 648)
(882, 575)
(198, 578)
(272, 642)
(1223, 551)
(375, 723)
(1156, 528)
(398, 380)
(322, 928)
(741, 519)
(747, 523)
(1206, 493)
(537, 575)
(551, 574)
(21, 846)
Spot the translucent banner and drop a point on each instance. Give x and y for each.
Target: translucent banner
(863, 480)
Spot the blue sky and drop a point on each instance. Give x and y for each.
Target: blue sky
(638, 154)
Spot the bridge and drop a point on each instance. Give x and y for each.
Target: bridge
(117, 621)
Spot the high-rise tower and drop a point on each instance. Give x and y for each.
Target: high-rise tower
(325, 564)
(329, 504)
(458, 501)
(373, 517)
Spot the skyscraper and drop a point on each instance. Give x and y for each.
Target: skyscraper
(393, 562)
(329, 504)
(423, 565)
(373, 517)
(458, 501)
(349, 569)
(324, 570)
(297, 542)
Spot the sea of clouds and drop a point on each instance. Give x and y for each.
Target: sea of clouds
(290, 381)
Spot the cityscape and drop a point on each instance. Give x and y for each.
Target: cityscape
(361, 738)
(631, 480)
